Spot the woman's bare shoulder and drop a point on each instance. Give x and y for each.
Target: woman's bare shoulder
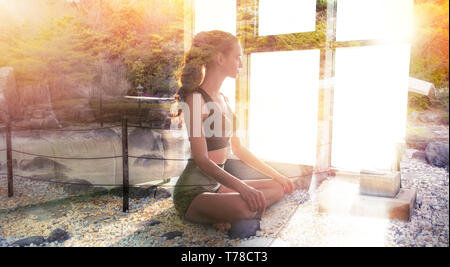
(195, 99)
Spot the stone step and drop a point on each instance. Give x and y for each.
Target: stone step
(342, 197)
(400, 207)
(379, 184)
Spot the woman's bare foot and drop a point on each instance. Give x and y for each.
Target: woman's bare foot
(222, 226)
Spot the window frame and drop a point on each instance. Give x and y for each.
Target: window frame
(247, 32)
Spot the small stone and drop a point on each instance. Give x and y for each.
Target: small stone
(149, 223)
(172, 235)
(58, 235)
(32, 240)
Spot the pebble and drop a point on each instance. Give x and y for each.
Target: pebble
(172, 235)
(58, 235)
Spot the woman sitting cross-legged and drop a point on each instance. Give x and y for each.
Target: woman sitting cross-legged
(205, 192)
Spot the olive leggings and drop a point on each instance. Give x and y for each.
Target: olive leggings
(191, 183)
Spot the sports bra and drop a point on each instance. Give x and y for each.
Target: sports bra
(219, 142)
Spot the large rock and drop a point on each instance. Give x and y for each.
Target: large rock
(149, 159)
(428, 116)
(437, 154)
(419, 137)
(41, 163)
(145, 139)
(51, 122)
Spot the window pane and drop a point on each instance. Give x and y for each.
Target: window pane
(368, 19)
(215, 15)
(370, 105)
(286, 16)
(283, 106)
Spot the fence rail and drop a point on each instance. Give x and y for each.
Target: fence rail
(125, 156)
(125, 184)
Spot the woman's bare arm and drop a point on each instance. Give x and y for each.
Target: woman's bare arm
(253, 197)
(248, 158)
(199, 150)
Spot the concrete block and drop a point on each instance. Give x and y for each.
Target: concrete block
(379, 184)
(343, 197)
(400, 207)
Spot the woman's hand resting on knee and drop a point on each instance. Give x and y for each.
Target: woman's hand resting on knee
(255, 199)
(287, 184)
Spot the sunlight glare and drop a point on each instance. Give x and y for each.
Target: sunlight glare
(367, 19)
(370, 105)
(286, 16)
(284, 106)
(215, 15)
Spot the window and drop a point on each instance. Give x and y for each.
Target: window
(215, 15)
(370, 102)
(368, 19)
(286, 16)
(283, 106)
(348, 57)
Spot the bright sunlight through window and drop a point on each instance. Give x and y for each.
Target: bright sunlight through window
(286, 16)
(370, 105)
(283, 106)
(368, 19)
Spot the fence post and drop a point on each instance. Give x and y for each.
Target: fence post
(125, 163)
(101, 110)
(140, 119)
(9, 158)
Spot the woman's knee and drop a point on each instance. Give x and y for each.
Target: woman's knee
(244, 213)
(278, 189)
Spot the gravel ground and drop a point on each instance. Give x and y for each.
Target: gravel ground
(99, 221)
(428, 227)
(294, 221)
(29, 192)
